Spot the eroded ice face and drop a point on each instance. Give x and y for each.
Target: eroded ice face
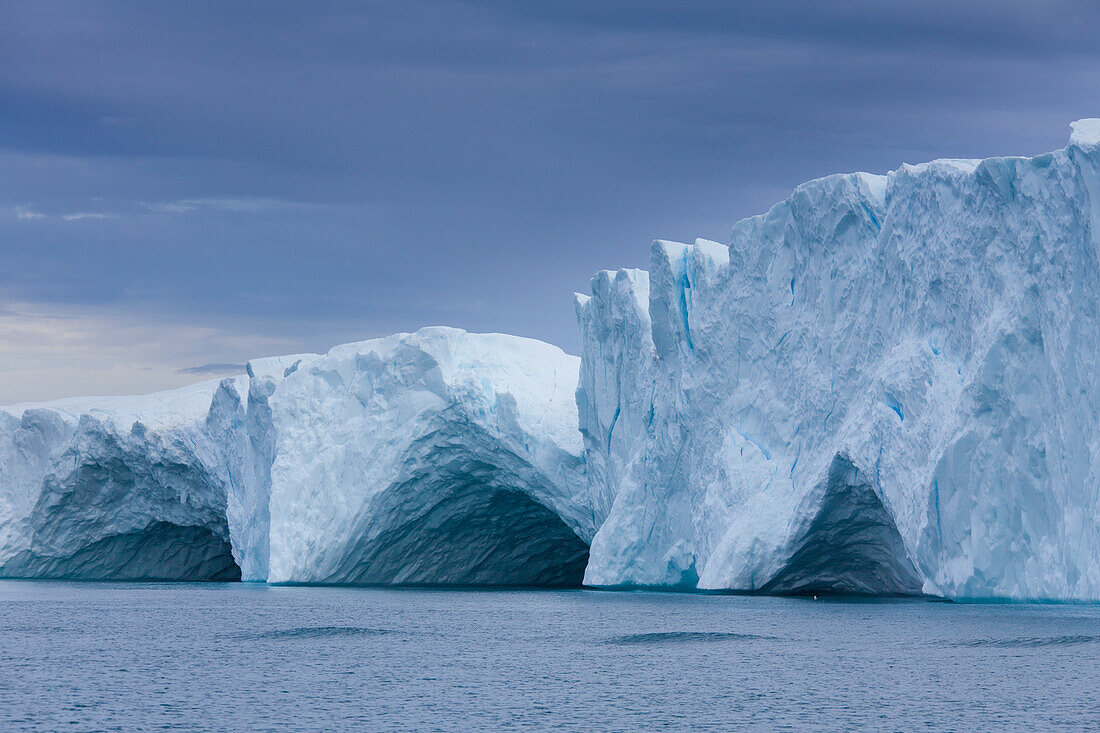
(929, 328)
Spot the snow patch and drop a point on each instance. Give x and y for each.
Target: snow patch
(1086, 133)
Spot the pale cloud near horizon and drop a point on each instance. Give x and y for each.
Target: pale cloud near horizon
(22, 212)
(48, 352)
(244, 205)
(87, 215)
(219, 368)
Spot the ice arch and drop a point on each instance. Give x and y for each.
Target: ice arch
(471, 519)
(159, 551)
(434, 458)
(850, 546)
(126, 488)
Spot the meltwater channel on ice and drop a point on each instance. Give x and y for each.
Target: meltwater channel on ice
(884, 385)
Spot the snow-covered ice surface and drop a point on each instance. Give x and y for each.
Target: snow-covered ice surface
(886, 384)
(434, 457)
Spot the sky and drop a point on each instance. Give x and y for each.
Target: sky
(185, 186)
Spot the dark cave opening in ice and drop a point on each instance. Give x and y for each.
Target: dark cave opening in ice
(850, 547)
(467, 522)
(160, 551)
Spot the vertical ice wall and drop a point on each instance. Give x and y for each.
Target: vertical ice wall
(920, 343)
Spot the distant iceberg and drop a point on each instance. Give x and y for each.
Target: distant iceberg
(884, 385)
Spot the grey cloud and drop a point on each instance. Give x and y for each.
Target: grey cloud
(348, 169)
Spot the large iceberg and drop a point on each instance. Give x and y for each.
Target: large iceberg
(439, 457)
(886, 384)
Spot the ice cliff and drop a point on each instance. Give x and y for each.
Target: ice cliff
(886, 384)
(439, 457)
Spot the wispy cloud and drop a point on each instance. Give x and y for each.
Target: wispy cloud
(170, 207)
(88, 215)
(123, 209)
(21, 212)
(28, 213)
(246, 205)
(242, 204)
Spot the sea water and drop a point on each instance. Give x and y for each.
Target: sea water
(123, 656)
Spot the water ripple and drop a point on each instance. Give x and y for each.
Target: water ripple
(1028, 642)
(673, 637)
(316, 632)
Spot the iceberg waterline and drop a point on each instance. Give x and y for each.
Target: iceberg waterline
(884, 385)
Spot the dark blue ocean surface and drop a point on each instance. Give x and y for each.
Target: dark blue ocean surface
(104, 656)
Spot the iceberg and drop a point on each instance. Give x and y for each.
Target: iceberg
(439, 457)
(885, 384)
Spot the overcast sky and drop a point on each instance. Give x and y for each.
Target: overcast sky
(187, 185)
